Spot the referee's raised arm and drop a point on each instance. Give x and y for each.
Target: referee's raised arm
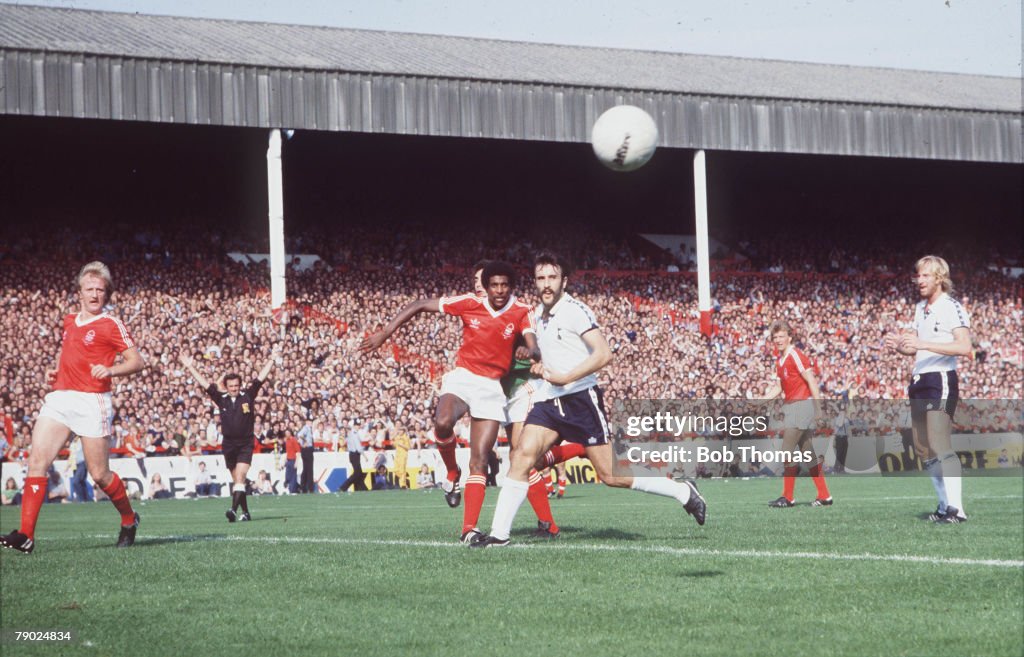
(189, 364)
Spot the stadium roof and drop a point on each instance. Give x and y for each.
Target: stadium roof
(734, 103)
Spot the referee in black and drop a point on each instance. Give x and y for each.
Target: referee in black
(236, 424)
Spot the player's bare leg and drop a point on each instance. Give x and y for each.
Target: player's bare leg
(685, 493)
(48, 436)
(483, 434)
(946, 461)
(449, 409)
(97, 460)
(931, 464)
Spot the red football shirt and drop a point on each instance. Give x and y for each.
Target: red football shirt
(95, 342)
(790, 369)
(488, 334)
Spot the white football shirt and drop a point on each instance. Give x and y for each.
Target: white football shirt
(560, 338)
(935, 323)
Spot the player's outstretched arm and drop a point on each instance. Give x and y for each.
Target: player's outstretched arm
(187, 361)
(371, 342)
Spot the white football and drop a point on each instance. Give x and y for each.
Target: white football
(624, 138)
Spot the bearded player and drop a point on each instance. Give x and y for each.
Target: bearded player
(519, 386)
(81, 402)
(491, 325)
(569, 404)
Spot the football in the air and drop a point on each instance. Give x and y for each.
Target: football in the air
(624, 138)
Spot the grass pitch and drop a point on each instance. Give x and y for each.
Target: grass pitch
(382, 573)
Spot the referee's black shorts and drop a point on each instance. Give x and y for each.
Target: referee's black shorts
(237, 450)
(933, 391)
(578, 417)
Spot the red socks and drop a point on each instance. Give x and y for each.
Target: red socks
(117, 494)
(537, 494)
(32, 497)
(446, 448)
(473, 498)
(563, 452)
(819, 482)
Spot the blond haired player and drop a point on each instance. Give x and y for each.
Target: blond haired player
(941, 332)
(81, 402)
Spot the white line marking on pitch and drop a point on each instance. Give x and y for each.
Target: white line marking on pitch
(589, 547)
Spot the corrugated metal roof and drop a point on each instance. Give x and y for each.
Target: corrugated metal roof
(419, 55)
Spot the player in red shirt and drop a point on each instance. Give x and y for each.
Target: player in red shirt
(81, 403)
(802, 407)
(490, 325)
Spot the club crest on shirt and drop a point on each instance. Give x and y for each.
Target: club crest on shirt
(89, 337)
(245, 407)
(510, 330)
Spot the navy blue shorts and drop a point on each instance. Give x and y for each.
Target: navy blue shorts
(933, 391)
(578, 417)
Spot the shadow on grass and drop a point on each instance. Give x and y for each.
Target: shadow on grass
(603, 534)
(700, 574)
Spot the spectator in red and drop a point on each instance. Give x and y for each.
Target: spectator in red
(291, 453)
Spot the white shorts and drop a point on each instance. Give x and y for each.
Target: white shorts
(798, 414)
(484, 396)
(521, 401)
(89, 414)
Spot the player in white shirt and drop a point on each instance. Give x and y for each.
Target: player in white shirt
(568, 405)
(941, 333)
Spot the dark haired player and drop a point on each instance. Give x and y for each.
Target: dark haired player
(568, 405)
(518, 386)
(490, 326)
(81, 402)
(237, 417)
(942, 331)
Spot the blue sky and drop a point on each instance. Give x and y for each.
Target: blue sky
(961, 36)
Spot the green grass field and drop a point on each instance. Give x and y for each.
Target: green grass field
(382, 573)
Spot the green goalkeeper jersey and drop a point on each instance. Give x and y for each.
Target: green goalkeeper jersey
(517, 375)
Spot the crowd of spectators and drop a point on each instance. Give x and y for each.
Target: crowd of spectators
(179, 293)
